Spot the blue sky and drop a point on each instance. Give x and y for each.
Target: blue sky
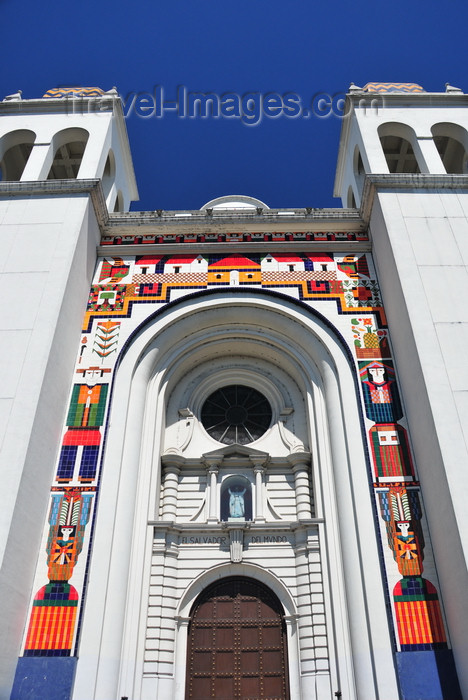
(276, 47)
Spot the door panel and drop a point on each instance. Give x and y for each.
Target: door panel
(237, 644)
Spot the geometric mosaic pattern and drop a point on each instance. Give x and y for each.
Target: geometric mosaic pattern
(57, 93)
(52, 621)
(393, 87)
(420, 624)
(348, 286)
(149, 279)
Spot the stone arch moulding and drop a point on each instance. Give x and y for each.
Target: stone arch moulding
(108, 180)
(401, 148)
(360, 167)
(151, 363)
(451, 141)
(15, 149)
(351, 200)
(66, 154)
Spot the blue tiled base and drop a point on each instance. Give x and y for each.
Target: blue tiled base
(45, 678)
(428, 675)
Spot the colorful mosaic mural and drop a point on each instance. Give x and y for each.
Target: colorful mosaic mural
(153, 279)
(344, 289)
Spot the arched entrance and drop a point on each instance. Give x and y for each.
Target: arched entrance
(237, 643)
(145, 642)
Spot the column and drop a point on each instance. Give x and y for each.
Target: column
(431, 155)
(213, 515)
(38, 163)
(181, 665)
(302, 486)
(259, 471)
(171, 485)
(294, 662)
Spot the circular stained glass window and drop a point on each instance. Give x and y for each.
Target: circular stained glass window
(236, 414)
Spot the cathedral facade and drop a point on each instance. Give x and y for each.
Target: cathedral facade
(234, 439)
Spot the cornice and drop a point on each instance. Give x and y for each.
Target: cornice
(405, 99)
(234, 456)
(41, 188)
(168, 225)
(63, 105)
(406, 182)
(313, 228)
(277, 525)
(144, 223)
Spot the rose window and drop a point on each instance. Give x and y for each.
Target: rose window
(236, 414)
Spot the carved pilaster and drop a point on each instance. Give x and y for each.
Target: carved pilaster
(302, 487)
(171, 486)
(259, 471)
(212, 501)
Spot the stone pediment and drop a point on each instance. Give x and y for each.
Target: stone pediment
(232, 455)
(235, 454)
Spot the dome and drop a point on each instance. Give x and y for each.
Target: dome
(234, 201)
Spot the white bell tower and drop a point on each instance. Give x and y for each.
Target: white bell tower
(403, 160)
(65, 162)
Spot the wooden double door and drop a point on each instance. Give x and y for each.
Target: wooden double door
(237, 644)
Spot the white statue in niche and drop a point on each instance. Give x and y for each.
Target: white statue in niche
(236, 502)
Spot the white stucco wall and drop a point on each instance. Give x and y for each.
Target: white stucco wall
(420, 243)
(48, 258)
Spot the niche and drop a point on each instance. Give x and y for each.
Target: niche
(236, 499)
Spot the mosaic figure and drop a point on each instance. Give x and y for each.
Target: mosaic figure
(418, 615)
(391, 453)
(85, 416)
(52, 622)
(113, 270)
(354, 266)
(401, 510)
(53, 616)
(107, 338)
(370, 342)
(381, 398)
(69, 515)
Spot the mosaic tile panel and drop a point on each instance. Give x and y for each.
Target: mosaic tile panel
(52, 621)
(391, 453)
(153, 279)
(420, 624)
(126, 290)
